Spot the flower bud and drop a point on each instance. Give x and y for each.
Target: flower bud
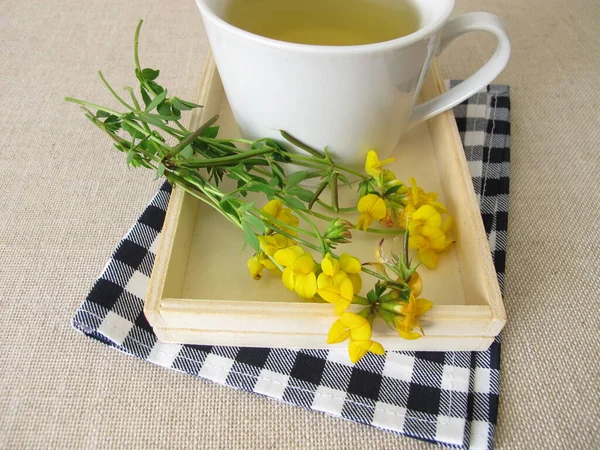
(338, 232)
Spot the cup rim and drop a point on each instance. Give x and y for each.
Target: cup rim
(401, 42)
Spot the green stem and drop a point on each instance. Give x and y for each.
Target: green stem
(330, 208)
(276, 221)
(182, 184)
(190, 138)
(181, 127)
(388, 232)
(262, 171)
(361, 300)
(308, 159)
(115, 95)
(368, 230)
(217, 145)
(139, 109)
(134, 99)
(321, 216)
(298, 143)
(153, 138)
(241, 141)
(92, 105)
(351, 171)
(323, 162)
(225, 160)
(324, 248)
(136, 41)
(279, 266)
(373, 273)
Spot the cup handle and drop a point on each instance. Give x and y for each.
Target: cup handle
(478, 21)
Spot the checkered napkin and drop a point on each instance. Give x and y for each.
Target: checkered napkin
(446, 397)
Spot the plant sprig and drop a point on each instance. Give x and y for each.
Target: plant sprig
(258, 166)
(283, 229)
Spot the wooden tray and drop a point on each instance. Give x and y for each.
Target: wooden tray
(201, 293)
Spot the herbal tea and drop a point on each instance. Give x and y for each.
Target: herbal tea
(325, 22)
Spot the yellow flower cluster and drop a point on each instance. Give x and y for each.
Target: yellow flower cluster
(299, 274)
(270, 244)
(276, 210)
(339, 281)
(408, 207)
(358, 329)
(428, 234)
(407, 313)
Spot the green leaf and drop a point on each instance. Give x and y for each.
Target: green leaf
(164, 109)
(260, 187)
(388, 318)
(251, 237)
(245, 207)
(183, 105)
(254, 222)
(392, 190)
(101, 113)
(363, 188)
(303, 194)
(228, 206)
(160, 117)
(344, 180)
(160, 170)
(277, 171)
(295, 179)
(132, 131)
(273, 182)
(150, 74)
(186, 152)
(157, 101)
(130, 156)
(294, 203)
(212, 132)
(145, 96)
(112, 123)
(148, 118)
(157, 88)
(372, 296)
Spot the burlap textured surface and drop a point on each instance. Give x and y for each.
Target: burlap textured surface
(66, 199)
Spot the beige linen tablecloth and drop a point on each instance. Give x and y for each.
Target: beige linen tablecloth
(66, 199)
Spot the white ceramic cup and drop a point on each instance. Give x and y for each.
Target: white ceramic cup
(348, 98)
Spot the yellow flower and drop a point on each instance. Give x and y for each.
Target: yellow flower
(358, 329)
(299, 274)
(255, 267)
(427, 234)
(415, 283)
(274, 208)
(270, 244)
(408, 320)
(351, 266)
(268, 264)
(371, 208)
(373, 165)
(339, 281)
(260, 261)
(338, 292)
(417, 197)
(388, 220)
